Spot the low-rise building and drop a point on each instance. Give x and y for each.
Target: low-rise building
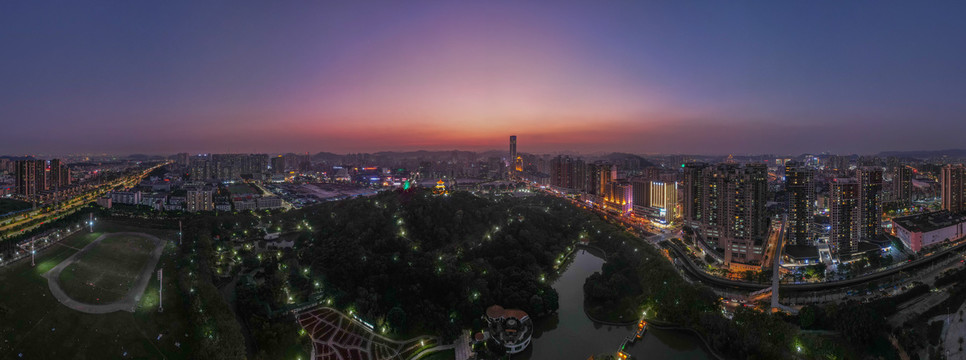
(921, 231)
(268, 202)
(511, 328)
(126, 197)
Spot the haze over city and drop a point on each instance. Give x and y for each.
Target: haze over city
(671, 77)
(491, 180)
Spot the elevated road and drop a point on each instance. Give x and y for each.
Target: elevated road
(694, 271)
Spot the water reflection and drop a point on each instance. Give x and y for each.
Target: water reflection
(569, 334)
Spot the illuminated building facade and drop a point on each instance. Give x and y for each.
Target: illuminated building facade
(619, 197)
(664, 199)
(800, 187)
(843, 216)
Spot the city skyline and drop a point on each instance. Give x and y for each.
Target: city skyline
(639, 78)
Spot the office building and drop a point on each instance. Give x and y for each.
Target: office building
(619, 197)
(513, 150)
(800, 188)
(952, 184)
(664, 199)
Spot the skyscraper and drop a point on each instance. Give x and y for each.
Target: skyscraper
(952, 182)
(844, 203)
(513, 150)
(870, 202)
(800, 187)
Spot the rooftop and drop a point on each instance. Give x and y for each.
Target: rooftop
(801, 251)
(930, 221)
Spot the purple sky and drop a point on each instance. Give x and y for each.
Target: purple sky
(354, 76)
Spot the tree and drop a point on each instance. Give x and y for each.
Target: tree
(396, 318)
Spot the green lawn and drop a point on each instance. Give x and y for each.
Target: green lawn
(441, 355)
(11, 205)
(33, 323)
(108, 270)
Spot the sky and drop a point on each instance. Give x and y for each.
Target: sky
(695, 77)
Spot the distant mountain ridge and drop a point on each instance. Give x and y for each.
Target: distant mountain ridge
(925, 153)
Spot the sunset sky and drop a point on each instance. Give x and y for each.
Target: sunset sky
(358, 76)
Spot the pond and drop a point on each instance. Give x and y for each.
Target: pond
(570, 334)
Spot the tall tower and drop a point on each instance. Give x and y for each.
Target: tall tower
(800, 186)
(513, 149)
(953, 188)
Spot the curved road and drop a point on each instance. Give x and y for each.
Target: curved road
(704, 277)
(129, 302)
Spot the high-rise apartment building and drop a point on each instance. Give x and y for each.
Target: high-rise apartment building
(953, 188)
(844, 215)
(726, 205)
(902, 185)
(693, 193)
(800, 187)
(59, 175)
(31, 177)
(870, 202)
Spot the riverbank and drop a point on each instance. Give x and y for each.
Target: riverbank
(662, 326)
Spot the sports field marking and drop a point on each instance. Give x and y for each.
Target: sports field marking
(129, 301)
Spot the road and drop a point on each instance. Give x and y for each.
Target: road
(73, 204)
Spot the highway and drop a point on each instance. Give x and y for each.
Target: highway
(71, 205)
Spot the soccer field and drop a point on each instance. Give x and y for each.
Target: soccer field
(35, 324)
(108, 270)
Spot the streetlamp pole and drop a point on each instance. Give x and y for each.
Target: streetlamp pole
(160, 287)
